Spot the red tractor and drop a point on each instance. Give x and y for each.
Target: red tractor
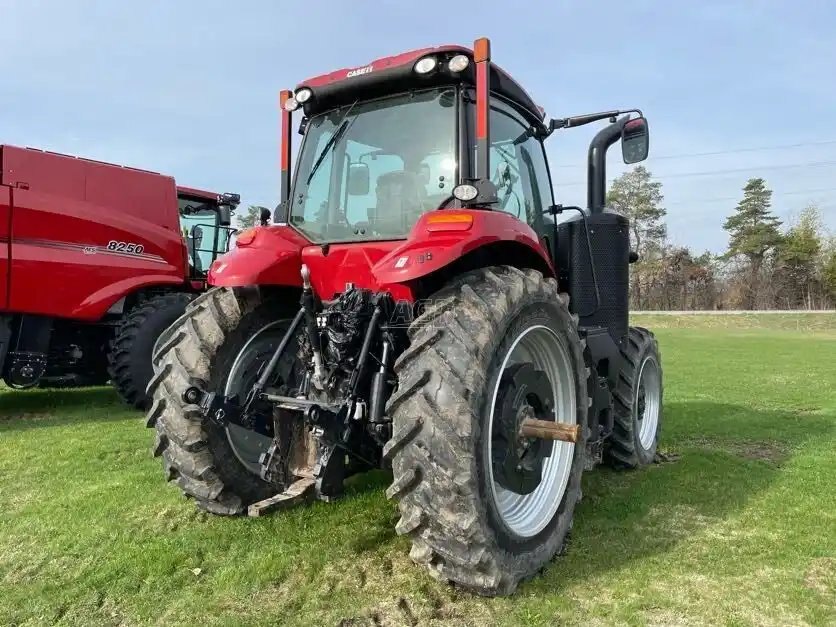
(450, 326)
(94, 265)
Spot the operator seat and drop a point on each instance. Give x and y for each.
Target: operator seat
(401, 198)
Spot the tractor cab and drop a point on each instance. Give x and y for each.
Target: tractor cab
(390, 141)
(432, 129)
(205, 219)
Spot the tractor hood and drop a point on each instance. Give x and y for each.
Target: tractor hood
(273, 255)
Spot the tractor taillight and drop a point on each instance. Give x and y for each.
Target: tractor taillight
(446, 220)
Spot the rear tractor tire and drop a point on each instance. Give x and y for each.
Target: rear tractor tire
(220, 344)
(484, 508)
(637, 402)
(129, 359)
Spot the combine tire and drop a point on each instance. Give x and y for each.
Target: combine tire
(129, 359)
(637, 402)
(478, 360)
(220, 344)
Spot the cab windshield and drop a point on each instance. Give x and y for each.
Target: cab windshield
(199, 224)
(368, 171)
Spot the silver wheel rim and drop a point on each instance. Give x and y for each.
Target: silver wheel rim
(527, 515)
(646, 404)
(248, 445)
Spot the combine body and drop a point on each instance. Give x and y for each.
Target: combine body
(449, 326)
(83, 243)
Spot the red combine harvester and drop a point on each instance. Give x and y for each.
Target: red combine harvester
(449, 326)
(94, 266)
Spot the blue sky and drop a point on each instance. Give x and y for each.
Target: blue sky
(190, 88)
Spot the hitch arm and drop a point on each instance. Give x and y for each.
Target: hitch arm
(259, 386)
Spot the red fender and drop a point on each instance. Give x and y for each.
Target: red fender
(264, 255)
(273, 255)
(442, 237)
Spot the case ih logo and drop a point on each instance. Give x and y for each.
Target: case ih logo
(359, 71)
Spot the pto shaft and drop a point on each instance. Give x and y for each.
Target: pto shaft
(548, 430)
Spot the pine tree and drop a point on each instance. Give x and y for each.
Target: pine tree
(753, 232)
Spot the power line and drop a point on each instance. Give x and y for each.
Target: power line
(685, 155)
(678, 175)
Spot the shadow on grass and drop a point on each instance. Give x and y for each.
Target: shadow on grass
(626, 516)
(27, 409)
(629, 515)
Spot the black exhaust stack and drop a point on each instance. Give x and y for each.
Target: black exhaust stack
(594, 249)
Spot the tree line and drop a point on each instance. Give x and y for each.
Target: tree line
(766, 265)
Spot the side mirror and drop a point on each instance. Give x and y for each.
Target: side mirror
(226, 205)
(224, 215)
(358, 179)
(635, 140)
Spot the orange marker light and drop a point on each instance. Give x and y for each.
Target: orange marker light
(482, 50)
(448, 221)
(449, 216)
(245, 237)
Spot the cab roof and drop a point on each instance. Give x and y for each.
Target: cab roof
(389, 75)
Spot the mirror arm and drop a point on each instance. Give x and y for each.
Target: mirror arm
(579, 120)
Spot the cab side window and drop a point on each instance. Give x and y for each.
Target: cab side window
(518, 166)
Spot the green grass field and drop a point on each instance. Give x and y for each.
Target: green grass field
(738, 528)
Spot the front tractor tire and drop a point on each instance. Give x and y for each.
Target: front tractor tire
(219, 345)
(637, 402)
(129, 358)
(492, 345)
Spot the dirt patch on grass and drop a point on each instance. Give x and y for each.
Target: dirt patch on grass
(761, 451)
(25, 415)
(770, 452)
(821, 577)
(406, 595)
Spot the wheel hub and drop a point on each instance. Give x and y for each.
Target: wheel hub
(525, 392)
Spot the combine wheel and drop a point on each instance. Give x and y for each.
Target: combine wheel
(220, 344)
(485, 505)
(129, 359)
(637, 402)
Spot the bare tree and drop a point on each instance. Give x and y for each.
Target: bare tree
(639, 197)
